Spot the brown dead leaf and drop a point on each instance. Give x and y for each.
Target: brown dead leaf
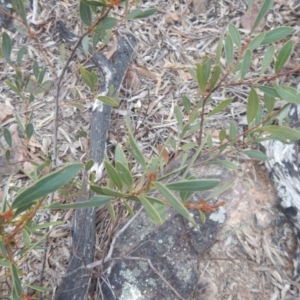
(171, 17)
(131, 80)
(164, 153)
(145, 72)
(248, 19)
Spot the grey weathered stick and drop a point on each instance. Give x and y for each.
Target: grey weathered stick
(74, 284)
(285, 173)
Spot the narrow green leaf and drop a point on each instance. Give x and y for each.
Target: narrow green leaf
(4, 263)
(219, 50)
(232, 130)
(220, 106)
(26, 238)
(193, 185)
(276, 34)
(215, 76)
(136, 152)
(111, 211)
(228, 49)
(288, 93)
(85, 45)
(161, 209)
(108, 100)
(270, 91)
(29, 130)
(89, 164)
(45, 225)
(235, 35)
(21, 53)
(284, 55)
(246, 63)
(188, 146)
(113, 175)
(282, 132)
(87, 77)
(256, 41)
(18, 6)
(6, 47)
(151, 211)
(263, 11)
(125, 175)
(85, 13)
(94, 202)
(177, 205)
(179, 116)
(120, 156)
(109, 192)
(222, 135)
(268, 57)
(16, 282)
(186, 103)
(206, 69)
(220, 190)
(96, 3)
(7, 137)
(7, 155)
(38, 288)
(269, 102)
(252, 106)
(13, 87)
(227, 164)
(256, 154)
(36, 69)
(128, 208)
(138, 13)
(46, 185)
(200, 78)
(44, 86)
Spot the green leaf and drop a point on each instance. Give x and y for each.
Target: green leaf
(26, 238)
(235, 35)
(246, 63)
(85, 45)
(94, 202)
(89, 164)
(87, 77)
(136, 152)
(7, 137)
(188, 146)
(45, 225)
(232, 130)
(109, 101)
(45, 185)
(128, 208)
(4, 263)
(219, 50)
(16, 282)
(151, 211)
(220, 190)
(220, 106)
(256, 154)
(215, 76)
(38, 288)
(263, 11)
(276, 34)
(270, 91)
(177, 205)
(29, 130)
(228, 50)
(112, 193)
(222, 135)
(252, 106)
(186, 103)
(138, 13)
(283, 55)
(18, 6)
(288, 93)
(7, 155)
(155, 200)
(36, 69)
(113, 175)
(206, 69)
(85, 13)
(111, 211)
(200, 77)
(44, 86)
(193, 185)
(21, 53)
(120, 156)
(268, 57)
(227, 164)
(125, 175)
(179, 116)
(107, 23)
(13, 88)
(256, 41)
(285, 133)
(269, 102)
(96, 3)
